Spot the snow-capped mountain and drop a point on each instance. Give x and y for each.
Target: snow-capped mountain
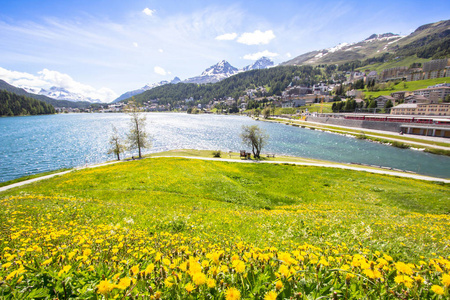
(262, 63)
(215, 73)
(59, 93)
(146, 88)
(374, 44)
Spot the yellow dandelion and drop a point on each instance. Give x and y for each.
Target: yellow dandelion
(232, 294)
(124, 283)
(278, 285)
(189, 287)
(272, 295)
(437, 289)
(199, 278)
(211, 283)
(104, 287)
(446, 280)
(134, 270)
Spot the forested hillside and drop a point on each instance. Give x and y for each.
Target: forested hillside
(16, 105)
(275, 80)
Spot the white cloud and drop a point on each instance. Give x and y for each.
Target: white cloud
(159, 71)
(160, 50)
(135, 44)
(288, 55)
(48, 78)
(148, 11)
(256, 38)
(227, 37)
(258, 55)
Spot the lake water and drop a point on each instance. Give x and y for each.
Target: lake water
(37, 144)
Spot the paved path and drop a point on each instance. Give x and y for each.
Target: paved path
(365, 130)
(339, 166)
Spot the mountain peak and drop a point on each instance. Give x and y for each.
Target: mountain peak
(221, 68)
(262, 63)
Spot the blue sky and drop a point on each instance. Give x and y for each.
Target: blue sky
(104, 48)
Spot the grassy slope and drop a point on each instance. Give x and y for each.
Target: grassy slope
(127, 214)
(407, 61)
(408, 86)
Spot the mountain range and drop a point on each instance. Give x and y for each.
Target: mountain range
(56, 103)
(213, 74)
(60, 93)
(378, 44)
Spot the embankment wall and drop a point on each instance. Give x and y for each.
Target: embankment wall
(386, 126)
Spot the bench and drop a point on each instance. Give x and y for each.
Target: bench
(270, 155)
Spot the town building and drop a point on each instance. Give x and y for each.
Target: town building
(425, 109)
(382, 100)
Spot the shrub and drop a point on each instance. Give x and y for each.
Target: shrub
(217, 153)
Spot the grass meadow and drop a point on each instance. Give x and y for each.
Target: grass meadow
(174, 228)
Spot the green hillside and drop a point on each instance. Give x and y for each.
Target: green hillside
(15, 105)
(407, 86)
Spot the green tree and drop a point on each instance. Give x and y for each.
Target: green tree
(388, 104)
(266, 112)
(138, 138)
(116, 144)
(255, 137)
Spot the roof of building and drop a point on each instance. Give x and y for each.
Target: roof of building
(405, 105)
(385, 96)
(433, 88)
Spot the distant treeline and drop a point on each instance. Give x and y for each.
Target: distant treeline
(16, 105)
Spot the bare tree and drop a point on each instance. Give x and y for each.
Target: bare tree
(116, 144)
(138, 138)
(254, 137)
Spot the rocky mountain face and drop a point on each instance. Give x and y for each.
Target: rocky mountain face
(262, 63)
(377, 44)
(215, 73)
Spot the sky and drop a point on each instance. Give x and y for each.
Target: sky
(104, 48)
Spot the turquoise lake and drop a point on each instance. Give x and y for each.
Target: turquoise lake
(35, 144)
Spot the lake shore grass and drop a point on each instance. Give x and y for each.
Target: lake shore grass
(177, 228)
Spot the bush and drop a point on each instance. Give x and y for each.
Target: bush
(217, 153)
(400, 145)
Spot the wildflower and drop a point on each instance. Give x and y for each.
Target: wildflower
(272, 295)
(211, 283)
(124, 283)
(278, 285)
(404, 268)
(149, 269)
(104, 287)
(232, 294)
(189, 287)
(65, 269)
(134, 270)
(199, 278)
(446, 280)
(403, 279)
(239, 266)
(438, 290)
(169, 281)
(47, 262)
(284, 270)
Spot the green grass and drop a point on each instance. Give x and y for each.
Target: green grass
(404, 62)
(293, 229)
(9, 182)
(407, 86)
